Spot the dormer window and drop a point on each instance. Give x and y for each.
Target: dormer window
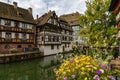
(71, 22)
(20, 14)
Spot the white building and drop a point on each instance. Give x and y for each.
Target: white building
(49, 37)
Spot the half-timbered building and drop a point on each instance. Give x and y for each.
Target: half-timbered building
(66, 35)
(73, 20)
(48, 32)
(17, 28)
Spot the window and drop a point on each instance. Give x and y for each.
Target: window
(63, 38)
(67, 38)
(24, 36)
(65, 32)
(52, 47)
(53, 38)
(24, 26)
(49, 38)
(19, 46)
(57, 46)
(12, 24)
(20, 14)
(2, 22)
(76, 37)
(65, 45)
(42, 38)
(7, 46)
(30, 26)
(68, 46)
(71, 22)
(55, 22)
(7, 22)
(76, 32)
(50, 20)
(70, 38)
(16, 24)
(46, 38)
(58, 24)
(58, 38)
(8, 35)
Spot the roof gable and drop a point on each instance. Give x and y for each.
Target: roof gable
(44, 18)
(10, 12)
(72, 19)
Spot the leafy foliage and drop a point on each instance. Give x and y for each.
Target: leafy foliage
(99, 24)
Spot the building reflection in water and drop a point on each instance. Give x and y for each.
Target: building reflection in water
(37, 69)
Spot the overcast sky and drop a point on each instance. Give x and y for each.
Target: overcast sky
(60, 6)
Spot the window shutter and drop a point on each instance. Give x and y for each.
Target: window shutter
(20, 36)
(3, 34)
(13, 35)
(20, 25)
(2, 22)
(32, 26)
(59, 38)
(46, 36)
(28, 26)
(27, 36)
(12, 24)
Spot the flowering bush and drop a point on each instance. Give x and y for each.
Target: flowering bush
(13, 50)
(83, 68)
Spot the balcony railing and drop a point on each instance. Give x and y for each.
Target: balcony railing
(15, 40)
(16, 29)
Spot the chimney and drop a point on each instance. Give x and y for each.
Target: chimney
(30, 10)
(37, 16)
(15, 4)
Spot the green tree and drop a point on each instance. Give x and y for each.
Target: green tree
(98, 24)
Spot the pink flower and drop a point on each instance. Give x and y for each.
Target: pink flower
(104, 66)
(96, 77)
(100, 71)
(65, 78)
(73, 76)
(111, 77)
(71, 60)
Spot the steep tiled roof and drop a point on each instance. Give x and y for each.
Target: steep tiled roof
(67, 27)
(72, 19)
(8, 11)
(44, 18)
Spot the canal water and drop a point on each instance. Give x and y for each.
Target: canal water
(36, 69)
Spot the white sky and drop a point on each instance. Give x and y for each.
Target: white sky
(60, 6)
